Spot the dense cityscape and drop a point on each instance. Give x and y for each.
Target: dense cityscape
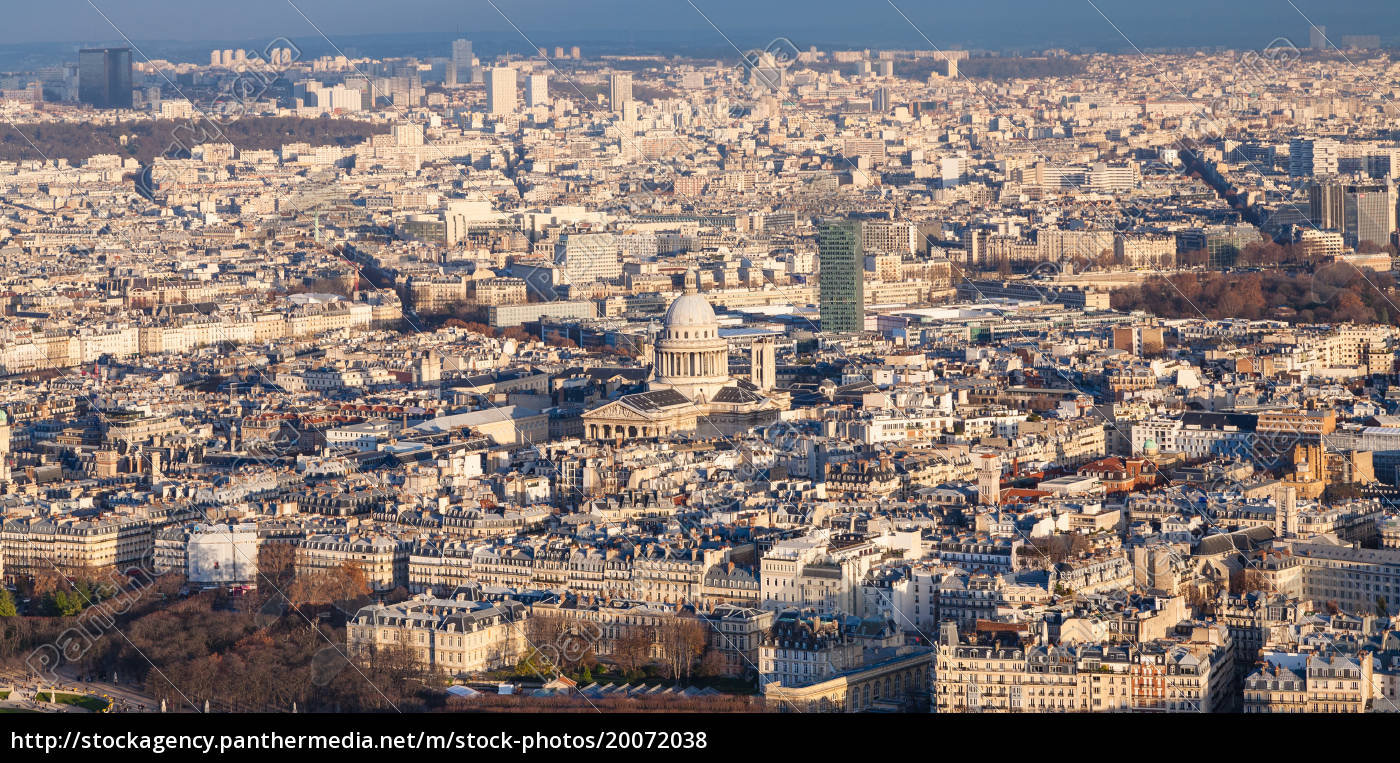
(795, 380)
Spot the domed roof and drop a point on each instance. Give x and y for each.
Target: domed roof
(691, 310)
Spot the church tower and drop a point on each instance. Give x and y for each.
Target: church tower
(427, 370)
(763, 365)
(989, 481)
(1285, 511)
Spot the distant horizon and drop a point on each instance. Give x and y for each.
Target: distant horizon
(27, 56)
(164, 29)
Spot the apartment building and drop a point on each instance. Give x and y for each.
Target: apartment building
(35, 545)
(1353, 579)
(456, 636)
(1002, 669)
(1325, 682)
(382, 559)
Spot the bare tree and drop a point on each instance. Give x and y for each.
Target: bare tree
(1251, 579)
(343, 584)
(558, 645)
(276, 564)
(632, 649)
(713, 664)
(682, 640)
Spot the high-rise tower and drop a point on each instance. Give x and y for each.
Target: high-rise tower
(462, 60)
(842, 278)
(500, 91)
(619, 90)
(104, 77)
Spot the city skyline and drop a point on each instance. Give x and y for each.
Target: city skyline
(632, 24)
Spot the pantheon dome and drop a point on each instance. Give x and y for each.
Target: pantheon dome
(691, 357)
(690, 310)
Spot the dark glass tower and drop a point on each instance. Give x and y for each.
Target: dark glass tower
(104, 77)
(842, 285)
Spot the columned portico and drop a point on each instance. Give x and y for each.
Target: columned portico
(691, 357)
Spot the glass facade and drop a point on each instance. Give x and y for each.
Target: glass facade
(104, 77)
(842, 286)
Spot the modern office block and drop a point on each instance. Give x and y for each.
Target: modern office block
(537, 90)
(104, 77)
(842, 285)
(500, 91)
(619, 90)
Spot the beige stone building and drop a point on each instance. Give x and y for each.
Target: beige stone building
(457, 636)
(1004, 671)
(384, 560)
(32, 546)
(1327, 682)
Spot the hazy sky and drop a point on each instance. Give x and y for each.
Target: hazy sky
(747, 23)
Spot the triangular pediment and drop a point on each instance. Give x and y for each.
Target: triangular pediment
(619, 410)
(613, 410)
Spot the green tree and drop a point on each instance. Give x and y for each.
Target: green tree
(64, 604)
(7, 604)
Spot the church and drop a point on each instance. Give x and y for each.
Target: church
(690, 389)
